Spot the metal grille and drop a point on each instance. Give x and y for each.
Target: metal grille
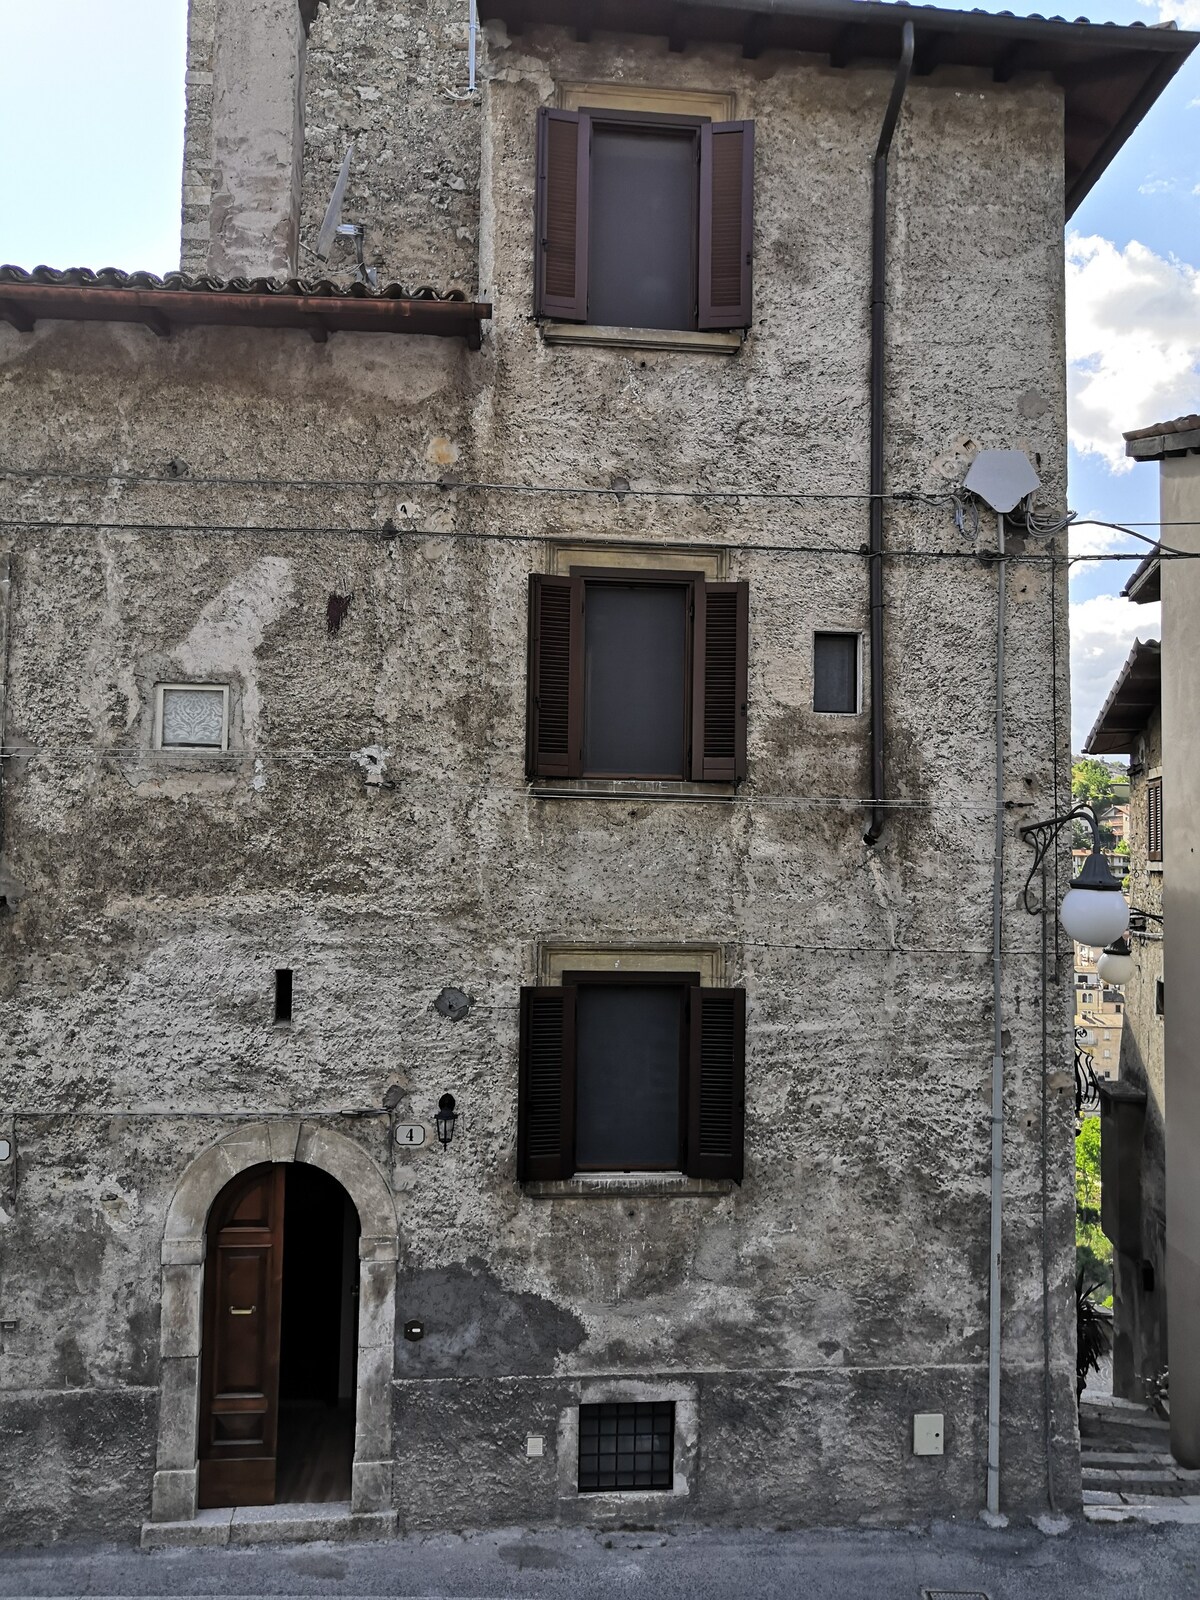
(626, 1445)
(953, 1594)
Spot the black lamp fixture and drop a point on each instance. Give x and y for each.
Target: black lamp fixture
(446, 1117)
(1094, 911)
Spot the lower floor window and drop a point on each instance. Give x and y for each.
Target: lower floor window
(626, 1444)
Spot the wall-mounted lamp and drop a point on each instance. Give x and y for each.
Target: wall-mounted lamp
(1116, 964)
(446, 1117)
(1094, 911)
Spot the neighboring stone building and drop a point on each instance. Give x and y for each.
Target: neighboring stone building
(1151, 714)
(1134, 1217)
(304, 835)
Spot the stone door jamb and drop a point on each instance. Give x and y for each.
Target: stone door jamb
(176, 1472)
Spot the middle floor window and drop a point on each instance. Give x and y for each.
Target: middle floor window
(636, 1072)
(637, 674)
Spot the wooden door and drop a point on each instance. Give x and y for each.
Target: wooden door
(239, 1389)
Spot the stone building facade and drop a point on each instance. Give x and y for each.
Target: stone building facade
(333, 538)
(1134, 1123)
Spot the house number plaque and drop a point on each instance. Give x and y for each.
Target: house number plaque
(411, 1135)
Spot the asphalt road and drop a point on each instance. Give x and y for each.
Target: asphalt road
(1085, 1563)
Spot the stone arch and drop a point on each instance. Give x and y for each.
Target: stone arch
(176, 1475)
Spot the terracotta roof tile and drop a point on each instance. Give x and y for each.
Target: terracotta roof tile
(181, 282)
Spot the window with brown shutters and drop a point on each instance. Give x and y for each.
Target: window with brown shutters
(636, 674)
(1154, 820)
(643, 220)
(636, 1072)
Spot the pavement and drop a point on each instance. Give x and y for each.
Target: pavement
(1083, 1562)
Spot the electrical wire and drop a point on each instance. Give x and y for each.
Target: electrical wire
(386, 534)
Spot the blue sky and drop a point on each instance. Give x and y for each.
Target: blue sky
(91, 142)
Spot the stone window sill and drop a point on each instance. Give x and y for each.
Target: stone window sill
(689, 340)
(629, 789)
(628, 1186)
(1154, 866)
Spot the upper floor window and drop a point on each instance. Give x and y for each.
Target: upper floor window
(644, 220)
(191, 716)
(637, 674)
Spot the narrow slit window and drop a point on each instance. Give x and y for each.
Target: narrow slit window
(835, 673)
(626, 1444)
(283, 994)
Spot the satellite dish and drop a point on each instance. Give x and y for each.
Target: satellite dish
(1002, 478)
(333, 216)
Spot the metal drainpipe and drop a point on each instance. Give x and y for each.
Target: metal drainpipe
(997, 1176)
(875, 547)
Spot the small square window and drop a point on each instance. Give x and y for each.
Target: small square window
(626, 1444)
(836, 673)
(191, 716)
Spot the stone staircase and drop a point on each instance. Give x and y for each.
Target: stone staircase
(1129, 1474)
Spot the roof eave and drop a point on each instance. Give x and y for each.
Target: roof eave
(1132, 701)
(164, 311)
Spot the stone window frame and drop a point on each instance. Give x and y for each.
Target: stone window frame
(176, 1475)
(160, 689)
(625, 1503)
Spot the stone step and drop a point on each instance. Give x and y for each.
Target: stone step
(1125, 1458)
(1135, 1434)
(1104, 1417)
(1140, 1485)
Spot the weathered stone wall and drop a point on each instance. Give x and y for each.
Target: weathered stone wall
(844, 1285)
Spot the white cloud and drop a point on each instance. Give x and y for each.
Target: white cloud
(1185, 12)
(1156, 186)
(1093, 541)
(1133, 341)
(1102, 633)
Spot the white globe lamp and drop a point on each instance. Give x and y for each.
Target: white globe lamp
(1094, 911)
(1115, 966)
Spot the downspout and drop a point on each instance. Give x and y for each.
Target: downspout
(875, 546)
(997, 1179)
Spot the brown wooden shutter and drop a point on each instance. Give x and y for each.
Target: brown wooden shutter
(554, 730)
(546, 1095)
(726, 224)
(716, 1082)
(719, 682)
(563, 204)
(1154, 820)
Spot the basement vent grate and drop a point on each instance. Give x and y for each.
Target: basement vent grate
(954, 1594)
(626, 1445)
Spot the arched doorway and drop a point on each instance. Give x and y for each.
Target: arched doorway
(184, 1247)
(280, 1334)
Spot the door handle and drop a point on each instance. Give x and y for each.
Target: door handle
(242, 1311)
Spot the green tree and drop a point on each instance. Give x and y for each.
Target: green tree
(1091, 783)
(1093, 1252)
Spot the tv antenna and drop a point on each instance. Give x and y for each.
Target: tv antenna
(334, 228)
